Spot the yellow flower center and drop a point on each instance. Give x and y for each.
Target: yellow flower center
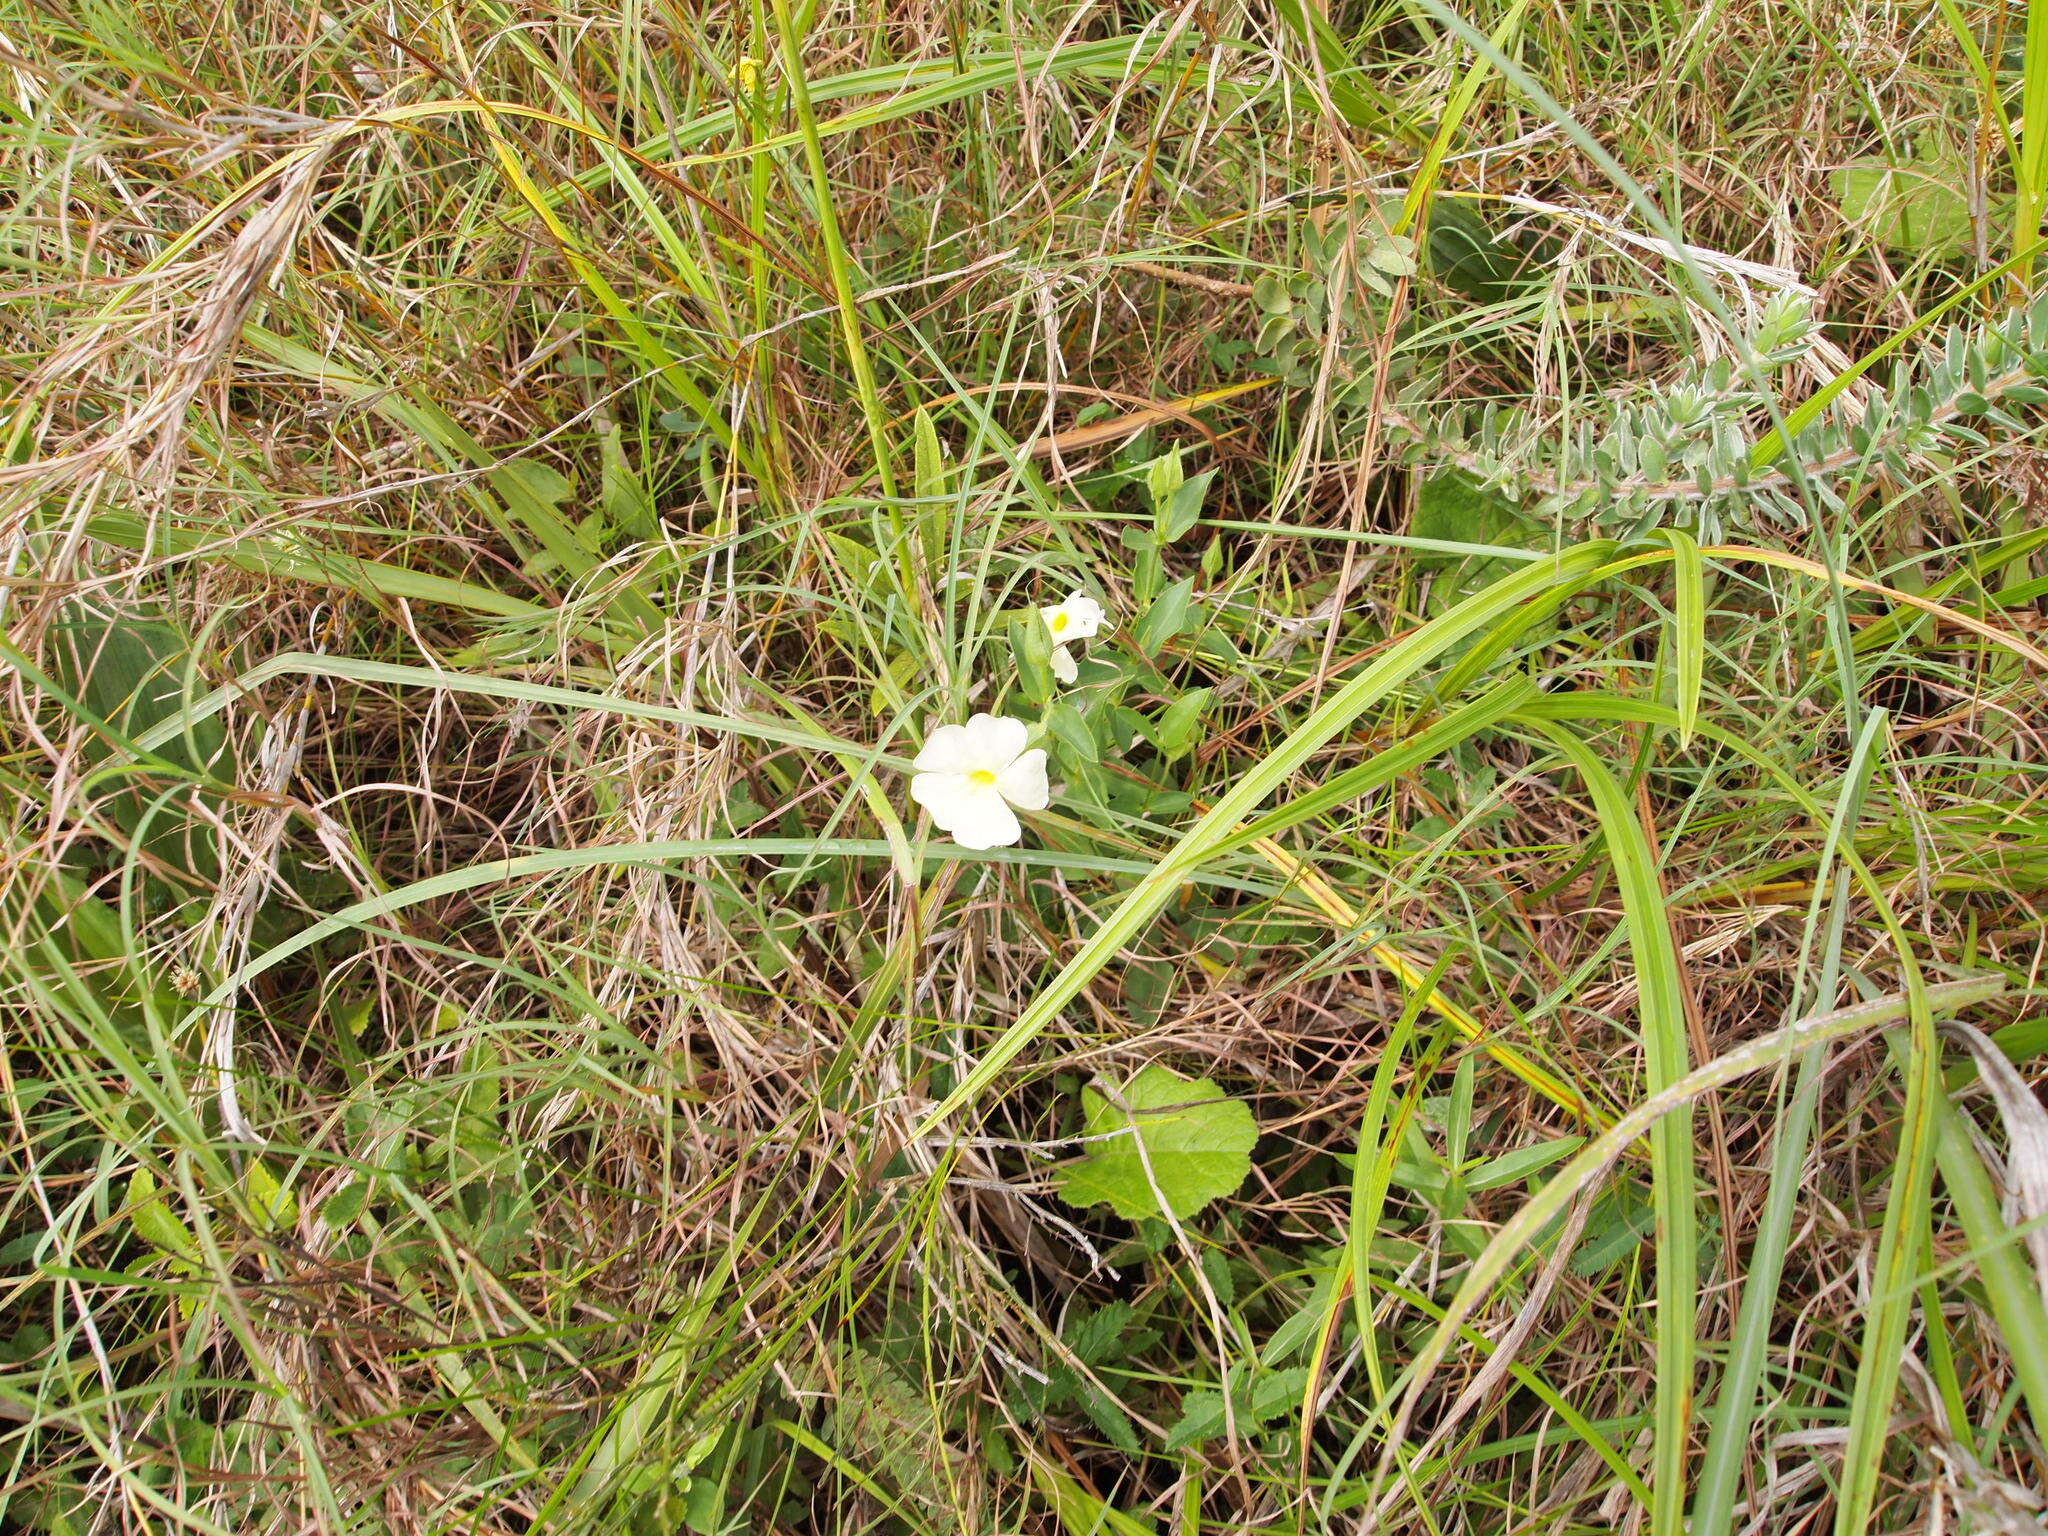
(1059, 623)
(981, 778)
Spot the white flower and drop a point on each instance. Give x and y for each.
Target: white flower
(968, 776)
(1078, 618)
(1063, 665)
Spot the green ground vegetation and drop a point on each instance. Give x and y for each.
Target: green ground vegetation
(1520, 1014)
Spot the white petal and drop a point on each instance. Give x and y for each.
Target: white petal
(1078, 618)
(945, 752)
(981, 819)
(1023, 782)
(941, 793)
(1063, 666)
(993, 742)
(1084, 616)
(973, 815)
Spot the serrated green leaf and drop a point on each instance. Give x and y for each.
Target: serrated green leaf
(152, 1219)
(276, 1206)
(1201, 1415)
(346, 1203)
(1098, 1335)
(1272, 1394)
(1195, 1142)
(1107, 1415)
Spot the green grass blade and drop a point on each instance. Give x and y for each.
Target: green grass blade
(837, 262)
(1666, 1059)
(309, 664)
(1461, 724)
(1423, 182)
(1688, 626)
(2011, 1285)
(2033, 164)
(660, 854)
(1903, 1238)
(1734, 1412)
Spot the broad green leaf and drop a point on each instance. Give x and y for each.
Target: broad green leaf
(928, 457)
(1465, 255)
(1178, 512)
(479, 1137)
(1920, 207)
(1169, 1138)
(1031, 651)
(1066, 725)
(1148, 988)
(133, 673)
(1174, 732)
(859, 559)
(1166, 617)
(1453, 508)
(346, 1203)
(627, 504)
